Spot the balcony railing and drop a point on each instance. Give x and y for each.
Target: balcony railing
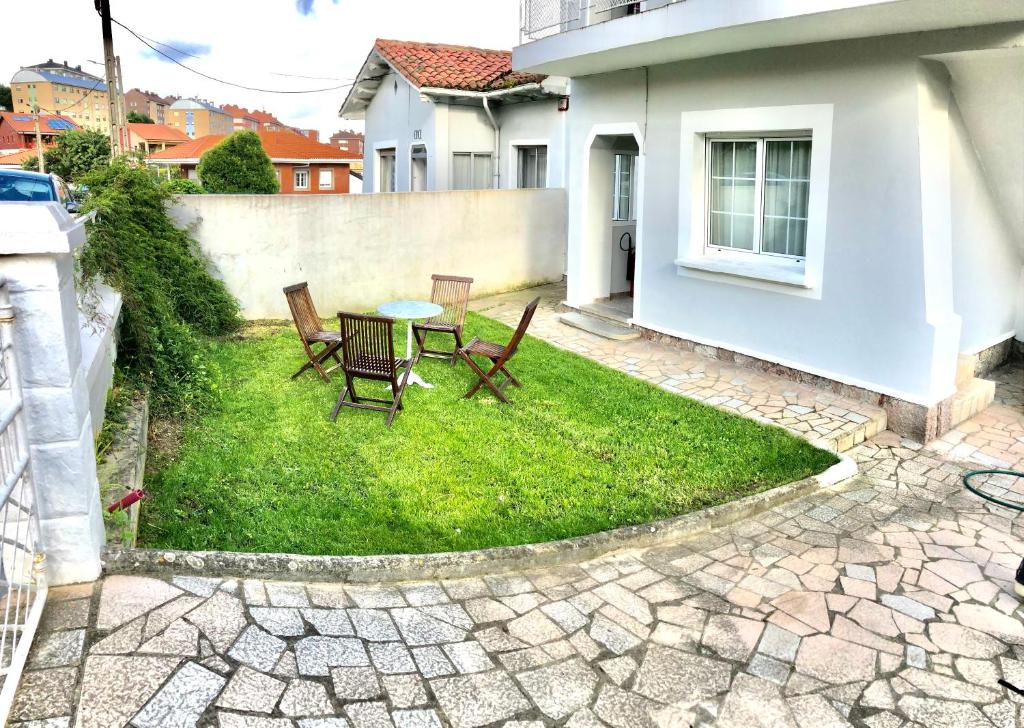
(541, 18)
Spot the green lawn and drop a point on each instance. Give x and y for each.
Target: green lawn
(582, 449)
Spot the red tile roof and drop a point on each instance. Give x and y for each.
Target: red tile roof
(279, 146)
(17, 157)
(436, 65)
(24, 123)
(157, 132)
(238, 112)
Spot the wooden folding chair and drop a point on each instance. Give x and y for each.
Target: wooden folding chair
(452, 294)
(311, 332)
(368, 352)
(499, 356)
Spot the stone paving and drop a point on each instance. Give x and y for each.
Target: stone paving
(884, 602)
(828, 420)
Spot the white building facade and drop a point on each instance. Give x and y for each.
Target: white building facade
(480, 127)
(834, 190)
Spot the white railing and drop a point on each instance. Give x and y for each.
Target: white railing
(22, 584)
(541, 18)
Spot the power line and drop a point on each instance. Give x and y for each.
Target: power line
(145, 42)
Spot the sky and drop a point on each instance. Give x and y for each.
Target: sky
(270, 44)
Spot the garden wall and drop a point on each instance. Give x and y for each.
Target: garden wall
(357, 251)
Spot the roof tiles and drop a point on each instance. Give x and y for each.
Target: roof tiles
(437, 65)
(279, 145)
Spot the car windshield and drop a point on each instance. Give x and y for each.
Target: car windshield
(25, 189)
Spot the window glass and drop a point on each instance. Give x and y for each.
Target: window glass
(787, 181)
(23, 189)
(732, 185)
(326, 179)
(622, 187)
(387, 170)
(533, 167)
(302, 179)
(471, 171)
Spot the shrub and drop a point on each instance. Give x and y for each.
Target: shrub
(182, 186)
(238, 165)
(170, 298)
(75, 154)
(134, 117)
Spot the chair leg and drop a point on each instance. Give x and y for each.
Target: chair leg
(420, 337)
(484, 379)
(397, 405)
(511, 380)
(338, 404)
(458, 345)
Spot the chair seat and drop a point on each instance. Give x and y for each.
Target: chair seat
(435, 326)
(484, 348)
(326, 337)
(374, 365)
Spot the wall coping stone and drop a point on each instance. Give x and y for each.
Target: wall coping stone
(33, 228)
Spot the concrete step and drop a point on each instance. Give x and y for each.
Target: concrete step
(599, 326)
(606, 311)
(970, 399)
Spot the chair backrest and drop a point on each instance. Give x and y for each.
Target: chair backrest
(452, 294)
(300, 303)
(524, 323)
(368, 346)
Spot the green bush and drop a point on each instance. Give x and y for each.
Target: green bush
(134, 117)
(183, 186)
(170, 298)
(75, 155)
(238, 165)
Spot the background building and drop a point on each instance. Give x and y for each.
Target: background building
(198, 118)
(348, 141)
(18, 131)
(146, 102)
(60, 88)
(149, 138)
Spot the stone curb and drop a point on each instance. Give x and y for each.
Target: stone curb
(455, 565)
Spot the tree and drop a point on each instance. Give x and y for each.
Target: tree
(238, 165)
(75, 154)
(6, 101)
(135, 117)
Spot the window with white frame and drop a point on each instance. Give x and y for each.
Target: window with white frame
(758, 188)
(472, 171)
(326, 179)
(301, 179)
(622, 187)
(533, 167)
(386, 168)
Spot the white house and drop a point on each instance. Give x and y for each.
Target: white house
(828, 189)
(443, 117)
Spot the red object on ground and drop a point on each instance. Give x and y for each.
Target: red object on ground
(133, 497)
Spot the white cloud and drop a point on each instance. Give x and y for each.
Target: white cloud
(251, 42)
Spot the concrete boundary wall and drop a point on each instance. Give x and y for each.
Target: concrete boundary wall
(357, 251)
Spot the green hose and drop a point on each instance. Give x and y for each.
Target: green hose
(991, 498)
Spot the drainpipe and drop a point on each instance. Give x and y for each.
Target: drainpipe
(497, 144)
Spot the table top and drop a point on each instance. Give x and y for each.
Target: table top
(409, 309)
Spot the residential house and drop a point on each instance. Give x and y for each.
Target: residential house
(198, 118)
(442, 117)
(149, 138)
(15, 160)
(18, 131)
(834, 192)
(313, 134)
(348, 141)
(268, 121)
(146, 103)
(58, 88)
(302, 165)
(241, 118)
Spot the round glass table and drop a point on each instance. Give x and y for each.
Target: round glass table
(410, 311)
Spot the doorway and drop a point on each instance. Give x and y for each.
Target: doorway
(418, 167)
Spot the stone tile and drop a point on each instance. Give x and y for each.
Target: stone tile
(235, 720)
(621, 709)
(182, 700)
(317, 655)
(369, 715)
(534, 628)
(470, 701)
(612, 636)
(44, 694)
(732, 637)
(258, 649)
(619, 669)
(249, 690)
(560, 690)
(960, 640)
(374, 625)
(432, 662)
(405, 691)
(669, 676)
(468, 657)
(122, 641)
(279, 621)
(286, 594)
(419, 628)
(161, 618)
(416, 719)
(331, 596)
(57, 649)
(330, 622)
(199, 585)
(123, 598)
(779, 643)
(755, 703)
(305, 698)
(835, 661)
(355, 683)
(391, 658)
(333, 722)
(108, 702)
(221, 619)
(375, 596)
(180, 638)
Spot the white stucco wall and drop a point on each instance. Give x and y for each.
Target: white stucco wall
(883, 315)
(357, 251)
(535, 122)
(395, 112)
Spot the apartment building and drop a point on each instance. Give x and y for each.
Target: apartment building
(198, 118)
(58, 88)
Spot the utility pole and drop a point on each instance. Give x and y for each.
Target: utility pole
(40, 152)
(114, 128)
(122, 115)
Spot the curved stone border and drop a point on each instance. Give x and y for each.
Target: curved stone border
(458, 564)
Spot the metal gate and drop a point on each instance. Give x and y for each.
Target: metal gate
(22, 582)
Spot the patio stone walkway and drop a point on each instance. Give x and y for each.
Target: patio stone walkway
(828, 420)
(884, 602)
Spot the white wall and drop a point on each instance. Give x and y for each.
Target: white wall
(357, 251)
(884, 316)
(530, 123)
(391, 118)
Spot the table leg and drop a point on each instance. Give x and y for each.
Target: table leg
(408, 342)
(414, 378)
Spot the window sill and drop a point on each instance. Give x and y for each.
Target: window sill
(779, 271)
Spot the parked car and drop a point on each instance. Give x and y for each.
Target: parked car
(20, 186)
